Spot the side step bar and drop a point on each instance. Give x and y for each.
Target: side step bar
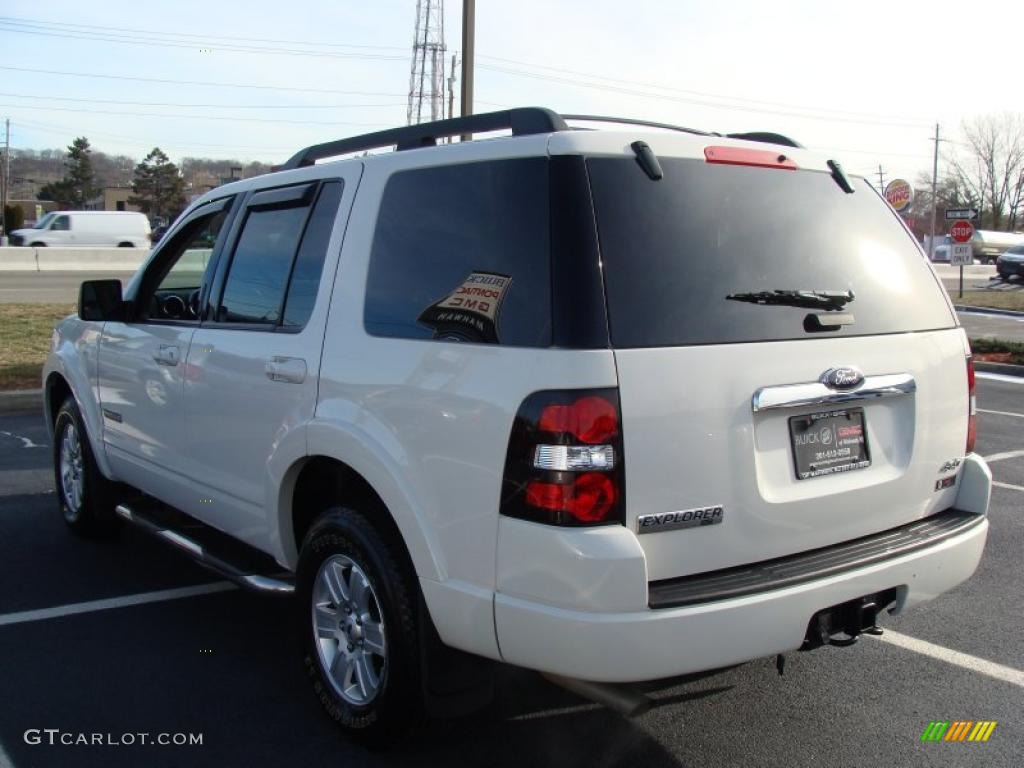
(235, 568)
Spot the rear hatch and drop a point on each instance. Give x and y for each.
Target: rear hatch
(732, 443)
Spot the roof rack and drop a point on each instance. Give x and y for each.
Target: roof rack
(522, 121)
(767, 137)
(630, 121)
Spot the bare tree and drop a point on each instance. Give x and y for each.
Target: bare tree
(988, 167)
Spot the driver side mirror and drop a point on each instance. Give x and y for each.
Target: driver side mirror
(100, 300)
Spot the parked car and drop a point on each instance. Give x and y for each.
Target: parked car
(1011, 262)
(942, 254)
(988, 245)
(612, 405)
(97, 229)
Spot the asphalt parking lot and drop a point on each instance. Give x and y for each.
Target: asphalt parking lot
(218, 662)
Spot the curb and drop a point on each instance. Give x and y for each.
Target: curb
(21, 400)
(1004, 368)
(987, 311)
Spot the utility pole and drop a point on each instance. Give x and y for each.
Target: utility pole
(6, 180)
(881, 179)
(451, 89)
(935, 193)
(468, 42)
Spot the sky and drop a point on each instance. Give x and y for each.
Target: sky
(865, 81)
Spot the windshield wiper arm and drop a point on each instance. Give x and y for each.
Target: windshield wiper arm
(789, 298)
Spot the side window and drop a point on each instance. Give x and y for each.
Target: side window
(309, 264)
(462, 253)
(277, 262)
(171, 292)
(61, 224)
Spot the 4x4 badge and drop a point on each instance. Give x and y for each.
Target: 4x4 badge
(844, 377)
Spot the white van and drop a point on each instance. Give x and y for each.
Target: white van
(97, 229)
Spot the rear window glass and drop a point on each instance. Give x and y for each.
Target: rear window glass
(673, 251)
(461, 253)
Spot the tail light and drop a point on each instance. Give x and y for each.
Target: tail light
(972, 407)
(564, 464)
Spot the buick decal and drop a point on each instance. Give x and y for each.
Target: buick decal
(685, 518)
(844, 377)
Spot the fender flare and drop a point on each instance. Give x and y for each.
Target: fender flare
(382, 470)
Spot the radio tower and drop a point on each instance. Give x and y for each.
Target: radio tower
(426, 83)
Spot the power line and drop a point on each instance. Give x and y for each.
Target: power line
(168, 81)
(197, 106)
(231, 48)
(674, 89)
(698, 102)
(44, 24)
(199, 117)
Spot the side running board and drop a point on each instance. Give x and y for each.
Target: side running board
(210, 548)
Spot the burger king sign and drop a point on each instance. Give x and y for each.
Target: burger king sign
(900, 195)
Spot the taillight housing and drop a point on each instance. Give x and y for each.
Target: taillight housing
(565, 462)
(972, 408)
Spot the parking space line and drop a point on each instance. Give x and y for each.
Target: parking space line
(1003, 456)
(1002, 413)
(1000, 377)
(963, 660)
(22, 617)
(1011, 486)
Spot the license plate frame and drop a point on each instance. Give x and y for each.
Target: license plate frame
(829, 442)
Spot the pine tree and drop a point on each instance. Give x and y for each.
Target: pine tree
(78, 187)
(80, 176)
(158, 188)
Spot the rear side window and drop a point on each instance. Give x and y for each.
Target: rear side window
(279, 256)
(462, 253)
(675, 250)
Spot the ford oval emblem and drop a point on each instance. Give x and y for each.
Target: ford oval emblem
(845, 377)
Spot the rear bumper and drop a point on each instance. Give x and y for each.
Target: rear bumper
(627, 646)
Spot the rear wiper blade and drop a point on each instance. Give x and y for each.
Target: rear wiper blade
(789, 298)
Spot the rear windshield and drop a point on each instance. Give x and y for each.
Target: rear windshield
(675, 249)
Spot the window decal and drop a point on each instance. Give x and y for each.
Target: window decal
(470, 312)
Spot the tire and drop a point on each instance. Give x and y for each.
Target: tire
(375, 691)
(85, 496)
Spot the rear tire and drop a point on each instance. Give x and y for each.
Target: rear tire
(358, 616)
(86, 498)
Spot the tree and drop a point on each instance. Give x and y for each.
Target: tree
(158, 188)
(78, 187)
(989, 168)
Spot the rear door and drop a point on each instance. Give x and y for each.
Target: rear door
(253, 366)
(725, 418)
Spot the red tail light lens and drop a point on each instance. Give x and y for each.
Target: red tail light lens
(588, 419)
(972, 408)
(588, 499)
(564, 462)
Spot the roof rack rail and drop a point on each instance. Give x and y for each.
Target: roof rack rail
(767, 137)
(630, 121)
(522, 121)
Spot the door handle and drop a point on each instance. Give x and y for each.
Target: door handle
(290, 370)
(167, 354)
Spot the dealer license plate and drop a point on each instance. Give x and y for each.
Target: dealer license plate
(829, 442)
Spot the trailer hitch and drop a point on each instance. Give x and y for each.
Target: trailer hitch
(841, 625)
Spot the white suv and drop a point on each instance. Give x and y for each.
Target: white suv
(536, 399)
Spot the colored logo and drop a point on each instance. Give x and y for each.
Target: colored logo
(959, 730)
(900, 194)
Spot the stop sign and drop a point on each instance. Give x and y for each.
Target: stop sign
(962, 231)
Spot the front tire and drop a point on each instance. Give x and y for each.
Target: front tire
(357, 610)
(85, 496)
